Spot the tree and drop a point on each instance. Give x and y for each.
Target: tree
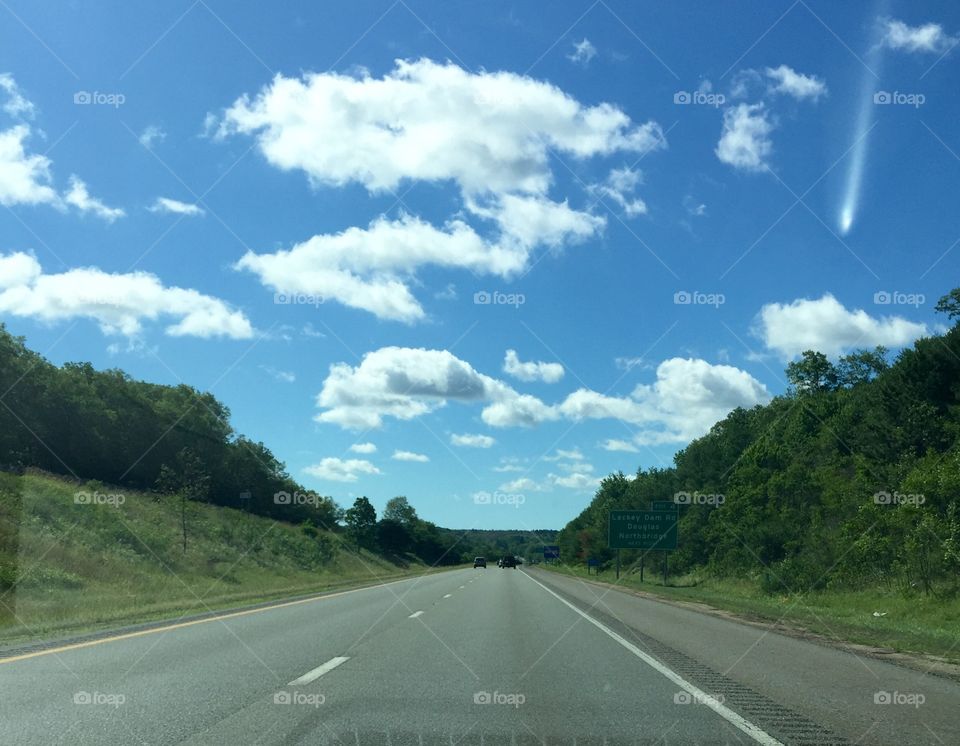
(361, 522)
(400, 510)
(393, 537)
(189, 478)
(950, 304)
(861, 366)
(812, 373)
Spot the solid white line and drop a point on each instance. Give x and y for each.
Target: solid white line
(757, 734)
(415, 614)
(319, 671)
(448, 595)
(463, 586)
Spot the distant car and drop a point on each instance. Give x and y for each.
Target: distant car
(480, 562)
(509, 561)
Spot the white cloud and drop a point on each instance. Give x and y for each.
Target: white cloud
(826, 326)
(619, 184)
(574, 454)
(117, 302)
(448, 293)
(693, 207)
(789, 81)
(341, 470)
(575, 481)
(363, 448)
(150, 135)
(410, 456)
(487, 131)
(619, 445)
(531, 371)
(175, 206)
(284, 376)
(930, 37)
(471, 440)
(521, 484)
(16, 104)
(24, 179)
(79, 196)
(745, 139)
(368, 268)
(583, 52)
(687, 398)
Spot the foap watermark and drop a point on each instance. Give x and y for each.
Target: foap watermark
(296, 498)
(310, 699)
(911, 699)
(99, 498)
(498, 498)
(898, 498)
(698, 498)
(496, 298)
(699, 98)
(99, 698)
(298, 299)
(898, 298)
(499, 698)
(98, 98)
(698, 698)
(898, 98)
(696, 298)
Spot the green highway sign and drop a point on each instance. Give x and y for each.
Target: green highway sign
(642, 529)
(665, 505)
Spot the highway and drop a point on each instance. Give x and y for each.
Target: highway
(493, 656)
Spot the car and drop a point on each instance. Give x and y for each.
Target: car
(480, 562)
(509, 561)
(499, 563)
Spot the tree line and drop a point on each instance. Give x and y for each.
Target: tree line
(178, 442)
(850, 479)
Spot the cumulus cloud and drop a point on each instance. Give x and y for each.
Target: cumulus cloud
(150, 135)
(745, 140)
(619, 185)
(175, 206)
(410, 456)
(284, 376)
(826, 326)
(613, 444)
(370, 268)
(486, 131)
(341, 470)
(687, 398)
(521, 484)
(786, 80)
(471, 440)
(583, 52)
(80, 197)
(25, 178)
(531, 371)
(930, 37)
(16, 105)
(363, 448)
(117, 302)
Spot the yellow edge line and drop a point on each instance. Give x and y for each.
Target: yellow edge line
(180, 625)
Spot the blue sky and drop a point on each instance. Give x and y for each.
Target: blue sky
(480, 255)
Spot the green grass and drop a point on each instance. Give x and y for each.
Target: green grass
(912, 624)
(80, 567)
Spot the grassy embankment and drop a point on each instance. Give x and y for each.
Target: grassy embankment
(911, 624)
(67, 567)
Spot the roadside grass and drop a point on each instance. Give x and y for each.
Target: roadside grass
(910, 623)
(67, 567)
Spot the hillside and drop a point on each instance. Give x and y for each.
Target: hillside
(850, 480)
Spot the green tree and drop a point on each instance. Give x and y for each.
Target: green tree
(950, 304)
(812, 373)
(361, 520)
(400, 510)
(861, 366)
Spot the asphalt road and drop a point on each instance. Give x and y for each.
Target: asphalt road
(474, 657)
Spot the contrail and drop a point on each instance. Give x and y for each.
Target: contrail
(858, 159)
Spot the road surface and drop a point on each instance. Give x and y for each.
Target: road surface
(473, 656)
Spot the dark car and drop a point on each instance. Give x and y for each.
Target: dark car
(480, 562)
(509, 561)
